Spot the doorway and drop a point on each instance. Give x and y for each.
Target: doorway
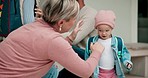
(143, 21)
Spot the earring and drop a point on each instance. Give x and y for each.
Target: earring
(60, 28)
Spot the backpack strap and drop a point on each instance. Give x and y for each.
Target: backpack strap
(87, 49)
(119, 47)
(89, 41)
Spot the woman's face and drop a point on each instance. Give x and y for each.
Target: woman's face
(67, 25)
(104, 31)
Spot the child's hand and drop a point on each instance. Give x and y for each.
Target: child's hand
(129, 66)
(38, 13)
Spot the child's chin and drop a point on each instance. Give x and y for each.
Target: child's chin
(104, 38)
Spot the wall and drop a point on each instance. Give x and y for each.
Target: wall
(126, 13)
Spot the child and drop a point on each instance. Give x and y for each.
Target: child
(111, 59)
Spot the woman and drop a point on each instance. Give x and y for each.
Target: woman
(31, 50)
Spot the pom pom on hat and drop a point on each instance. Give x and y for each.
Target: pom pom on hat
(105, 17)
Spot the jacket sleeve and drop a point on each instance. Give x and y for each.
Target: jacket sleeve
(126, 57)
(87, 48)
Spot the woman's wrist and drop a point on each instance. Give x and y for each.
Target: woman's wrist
(70, 39)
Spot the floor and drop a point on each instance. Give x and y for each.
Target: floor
(130, 76)
(127, 76)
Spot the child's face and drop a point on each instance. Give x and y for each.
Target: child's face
(104, 31)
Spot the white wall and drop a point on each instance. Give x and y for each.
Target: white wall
(126, 16)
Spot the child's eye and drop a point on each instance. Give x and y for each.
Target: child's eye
(107, 30)
(100, 30)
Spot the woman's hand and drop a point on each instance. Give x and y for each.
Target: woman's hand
(97, 47)
(74, 33)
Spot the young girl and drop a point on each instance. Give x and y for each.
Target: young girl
(109, 65)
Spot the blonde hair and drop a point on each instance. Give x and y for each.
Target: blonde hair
(55, 10)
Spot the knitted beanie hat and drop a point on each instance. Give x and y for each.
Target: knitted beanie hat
(105, 17)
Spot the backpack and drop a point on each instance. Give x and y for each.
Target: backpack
(10, 17)
(91, 40)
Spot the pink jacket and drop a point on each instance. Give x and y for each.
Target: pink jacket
(30, 51)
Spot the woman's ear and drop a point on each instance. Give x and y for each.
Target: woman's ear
(60, 22)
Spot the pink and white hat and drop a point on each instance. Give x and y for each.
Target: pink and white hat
(105, 17)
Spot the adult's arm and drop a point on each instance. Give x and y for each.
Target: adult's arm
(61, 51)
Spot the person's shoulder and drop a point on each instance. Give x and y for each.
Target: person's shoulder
(88, 12)
(88, 8)
(114, 37)
(118, 37)
(91, 8)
